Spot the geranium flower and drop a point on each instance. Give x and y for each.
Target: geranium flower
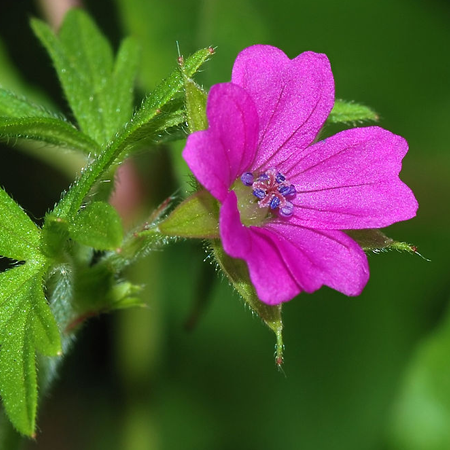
(286, 198)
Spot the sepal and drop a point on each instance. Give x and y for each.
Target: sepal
(195, 102)
(374, 240)
(195, 217)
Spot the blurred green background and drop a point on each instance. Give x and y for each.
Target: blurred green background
(366, 373)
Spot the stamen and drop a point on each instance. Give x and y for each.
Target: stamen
(292, 191)
(280, 177)
(287, 210)
(284, 190)
(274, 203)
(259, 193)
(272, 190)
(247, 178)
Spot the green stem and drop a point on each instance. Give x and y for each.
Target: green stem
(136, 244)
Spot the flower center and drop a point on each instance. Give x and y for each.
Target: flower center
(270, 195)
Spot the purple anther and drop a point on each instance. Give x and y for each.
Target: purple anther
(284, 190)
(259, 193)
(292, 191)
(263, 177)
(280, 177)
(287, 210)
(275, 202)
(247, 178)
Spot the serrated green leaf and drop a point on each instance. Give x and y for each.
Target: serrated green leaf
(83, 61)
(47, 129)
(349, 112)
(46, 333)
(237, 272)
(92, 84)
(19, 236)
(373, 240)
(120, 86)
(98, 225)
(89, 51)
(195, 217)
(26, 323)
(18, 386)
(12, 105)
(150, 109)
(21, 118)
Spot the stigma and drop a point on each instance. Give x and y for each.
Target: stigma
(272, 190)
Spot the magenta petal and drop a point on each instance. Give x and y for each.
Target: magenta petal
(220, 154)
(350, 181)
(233, 119)
(210, 167)
(293, 99)
(285, 259)
(322, 257)
(319, 257)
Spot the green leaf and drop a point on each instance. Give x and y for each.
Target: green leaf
(237, 272)
(421, 414)
(149, 111)
(97, 225)
(20, 118)
(99, 92)
(26, 324)
(195, 217)
(349, 112)
(47, 129)
(120, 86)
(19, 236)
(373, 240)
(12, 105)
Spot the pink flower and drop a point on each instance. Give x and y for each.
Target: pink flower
(285, 197)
